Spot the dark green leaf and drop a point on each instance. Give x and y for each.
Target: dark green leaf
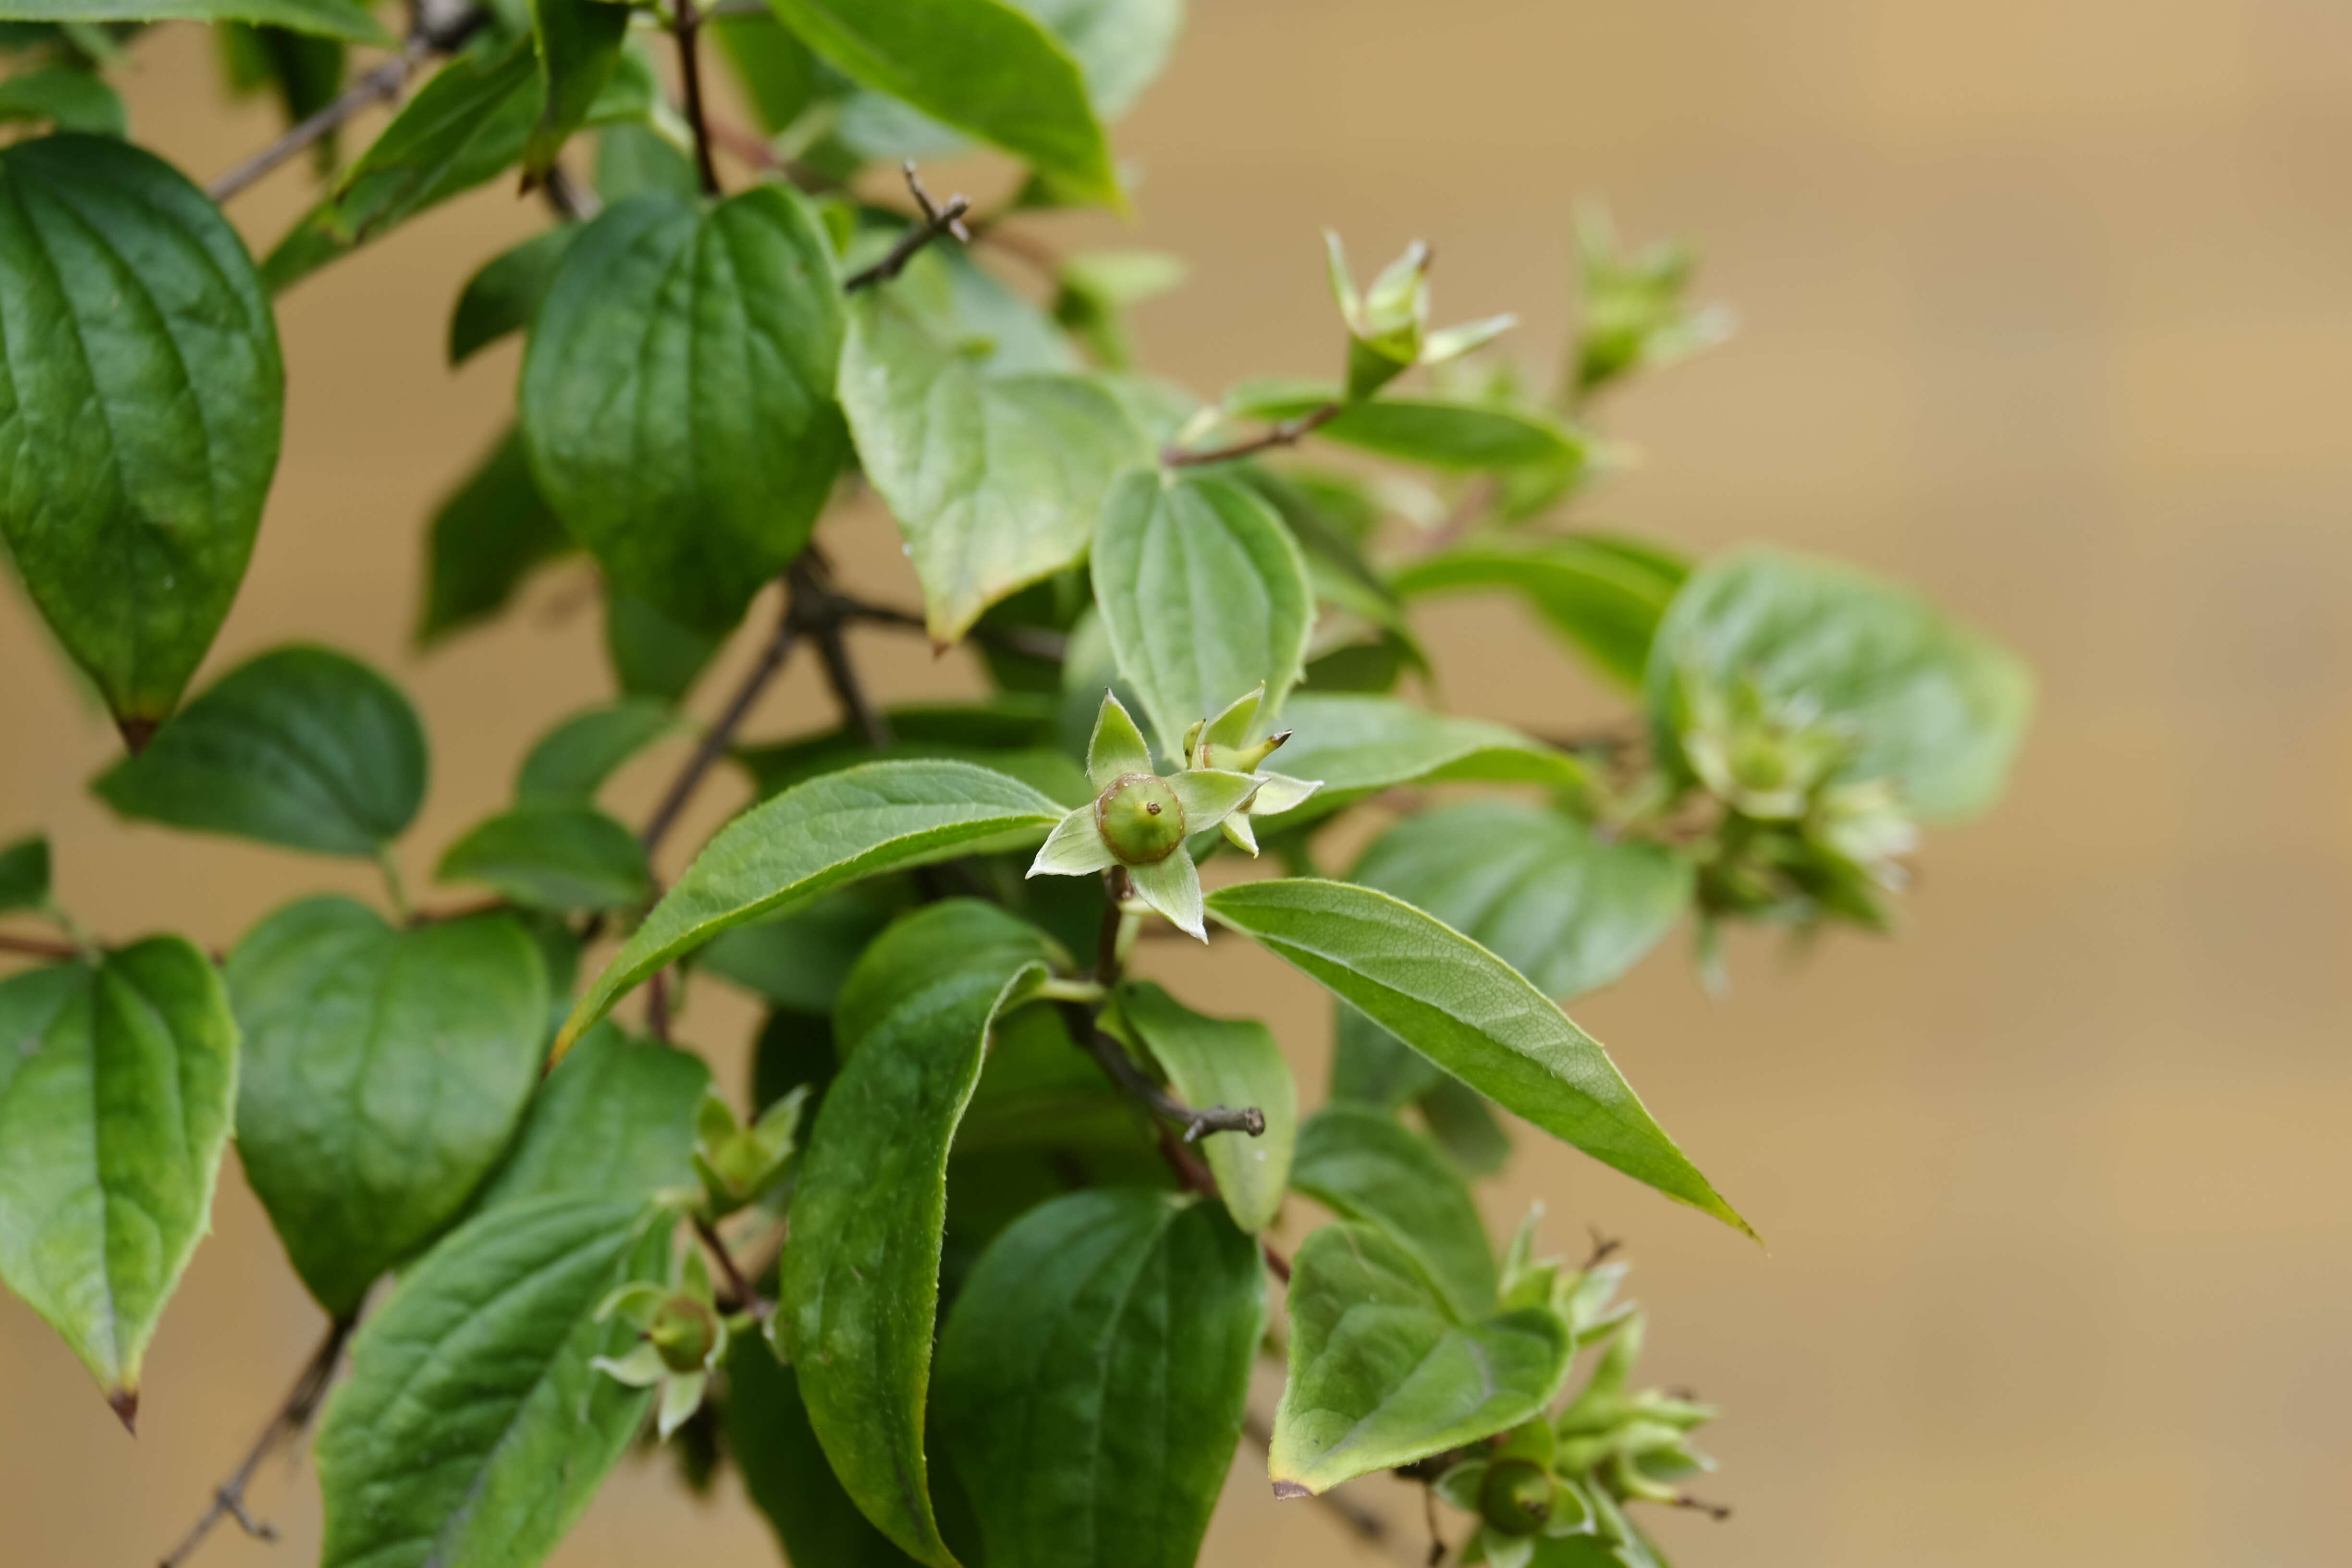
(636, 160)
(1204, 596)
(1092, 1379)
(115, 1093)
(810, 839)
(304, 71)
(1365, 1167)
(142, 397)
(1002, 725)
(794, 1050)
(1470, 1012)
(678, 396)
(652, 654)
(473, 1430)
(331, 18)
(798, 961)
(578, 43)
(1038, 1092)
(780, 77)
(1359, 745)
(1371, 1067)
(573, 761)
(1462, 1124)
(70, 100)
(1934, 707)
(787, 1474)
(1604, 599)
(384, 1071)
(299, 746)
(502, 296)
(552, 855)
(1381, 1374)
(487, 537)
(995, 482)
(861, 1276)
(1232, 1062)
(24, 874)
(983, 66)
(1433, 432)
(613, 1120)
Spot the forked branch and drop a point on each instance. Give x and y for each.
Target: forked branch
(302, 1402)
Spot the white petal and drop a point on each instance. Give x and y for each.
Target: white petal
(1279, 793)
(1208, 796)
(1116, 748)
(681, 1397)
(1173, 887)
(641, 1368)
(1075, 847)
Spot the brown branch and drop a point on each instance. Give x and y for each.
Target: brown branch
(937, 221)
(1029, 640)
(721, 734)
(688, 27)
(817, 610)
(37, 946)
(746, 1298)
(1283, 433)
(292, 1416)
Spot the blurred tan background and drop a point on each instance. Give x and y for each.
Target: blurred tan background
(2046, 308)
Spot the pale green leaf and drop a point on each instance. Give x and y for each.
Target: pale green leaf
(1358, 744)
(1231, 1062)
(1437, 433)
(1605, 597)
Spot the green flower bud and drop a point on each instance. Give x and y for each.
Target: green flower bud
(1517, 1497)
(1140, 818)
(1236, 758)
(685, 1331)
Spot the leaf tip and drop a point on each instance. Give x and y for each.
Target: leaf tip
(125, 1403)
(1285, 1491)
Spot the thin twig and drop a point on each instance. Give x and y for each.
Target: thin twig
(36, 946)
(1197, 1122)
(721, 733)
(688, 27)
(1717, 1511)
(815, 608)
(746, 1298)
(657, 1005)
(1030, 640)
(293, 1415)
(1281, 433)
(936, 220)
(569, 199)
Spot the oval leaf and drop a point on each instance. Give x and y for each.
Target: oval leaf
(1438, 433)
(831, 830)
(1204, 596)
(116, 1084)
(786, 1474)
(302, 747)
(1360, 744)
(615, 1120)
(489, 534)
(473, 1429)
(552, 855)
(325, 19)
(384, 1072)
(573, 761)
(1363, 1166)
(502, 296)
(24, 874)
(1093, 1375)
(142, 397)
(678, 396)
(1471, 1014)
(1605, 598)
(862, 1274)
(1232, 1062)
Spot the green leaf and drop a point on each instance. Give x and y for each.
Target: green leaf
(1602, 597)
(1011, 732)
(115, 1094)
(303, 72)
(1360, 744)
(1092, 1379)
(578, 42)
(861, 1276)
(70, 100)
(996, 482)
(1381, 1374)
(1471, 1014)
(1463, 1126)
(573, 761)
(798, 961)
(1437, 433)
(488, 536)
(634, 160)
(24, 874)
(1365, 1167)
(328, 18)
(678, 396)
(1204, 596)
(653, 656)
(384, 1071)
(836, 830)
(779, 77)
(502, 297)
(1933, 706)
(142, 397)
(613, 1120)
(983, 66)
(473, 1429)
(299, 746)
(1539, 889)
(960, 306)
(786, 1474)
(552, 855)
(1232, 1062)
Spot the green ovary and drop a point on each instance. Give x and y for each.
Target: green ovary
(1141, 820)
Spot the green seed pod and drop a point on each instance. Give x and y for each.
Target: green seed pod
(685, 1331)
(1236, 759)
(1140, 818)
(1517, 1497)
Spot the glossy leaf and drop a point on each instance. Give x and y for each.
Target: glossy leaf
(1359, 744)
(115, 1093)
(552, 855)
(786, 1474)
(573, 761)
(24, 874)
(1205, 596)
(300, 746)
(678, 396)
(491, 534)
(810, 839)
(1934, 707)
(1232, 1062)
(1364, 1167)
(1470, 1012)
(1437, 433)
(983, 66)
(613, 1120)
(861, 1276)
(1603, 597)
(473, 1429)
(1537, 887)
(68, 99)
(996, 482)
(578, 43)
(1092, 1379)
(328, 18)
(384, 1071)
(501, 297)
(141, 398)
(1381, 1374)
